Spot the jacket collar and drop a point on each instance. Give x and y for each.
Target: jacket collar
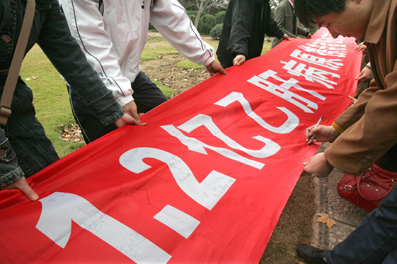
(377, 21)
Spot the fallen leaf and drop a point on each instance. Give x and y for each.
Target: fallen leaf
(325, 219)
(70, 133)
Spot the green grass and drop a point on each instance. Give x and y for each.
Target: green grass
(156, 47)
(168, 92)
(154, 54)
(187, 64)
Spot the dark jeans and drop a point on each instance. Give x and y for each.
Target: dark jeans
(146, 95)
(374, 240)
(389, 160)
(27, 142)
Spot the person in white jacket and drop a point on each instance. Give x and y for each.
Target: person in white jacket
(112, 35)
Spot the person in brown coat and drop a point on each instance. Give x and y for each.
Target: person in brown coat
(366, 133)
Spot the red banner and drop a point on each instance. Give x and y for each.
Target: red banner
(205, 181)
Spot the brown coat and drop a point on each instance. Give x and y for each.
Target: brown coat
(369, 127)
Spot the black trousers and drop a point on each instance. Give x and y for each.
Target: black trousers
(389, 160)
(146, 95)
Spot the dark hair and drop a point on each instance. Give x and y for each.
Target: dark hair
(306, 10)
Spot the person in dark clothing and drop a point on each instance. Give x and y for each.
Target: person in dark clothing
(286, 19)
(244, 27)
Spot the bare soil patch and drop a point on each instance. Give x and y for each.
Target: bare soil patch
(165, 71)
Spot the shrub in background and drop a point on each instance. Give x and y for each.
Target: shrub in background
(216, 31)
(207, 23)
(219, 17)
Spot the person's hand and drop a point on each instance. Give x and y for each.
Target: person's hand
(309, 36)
(285, 36)
(365, 75)
(318, 166)
(361, 46)
(127, 119)
(215, 67)
(22, 185)
(354, 100)
(239, 60)
(131, 116)
(131, 110)
(321, 134)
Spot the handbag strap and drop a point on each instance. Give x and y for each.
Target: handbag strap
(360, 180)
(9, 88)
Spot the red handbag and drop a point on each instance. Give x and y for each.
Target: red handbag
(367, 190)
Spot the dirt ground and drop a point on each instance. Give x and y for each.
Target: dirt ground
(295, 224)
(166, 72)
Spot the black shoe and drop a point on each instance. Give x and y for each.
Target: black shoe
(312, 254)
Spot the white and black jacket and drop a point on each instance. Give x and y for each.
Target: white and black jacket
(113, 36)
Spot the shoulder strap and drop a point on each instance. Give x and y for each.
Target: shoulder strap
(19, 53)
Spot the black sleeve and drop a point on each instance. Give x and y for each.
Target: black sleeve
(272, 29)
(65, 54)
(242, 23)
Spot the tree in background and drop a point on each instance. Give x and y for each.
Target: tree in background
(207, 23)
(198, 11)
(205, 5)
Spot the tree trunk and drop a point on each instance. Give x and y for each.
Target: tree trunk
(201, 7)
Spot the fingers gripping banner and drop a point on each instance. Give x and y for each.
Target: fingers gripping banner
(205, 181)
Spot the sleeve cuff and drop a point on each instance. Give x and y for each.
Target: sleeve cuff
(112, 118)
(338, 128)
(123, 100)
(209, 61)
(11, 176)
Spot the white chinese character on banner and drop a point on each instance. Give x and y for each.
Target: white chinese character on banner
(333, 64)
(325, 48)
(311, 74)
(283, 90)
